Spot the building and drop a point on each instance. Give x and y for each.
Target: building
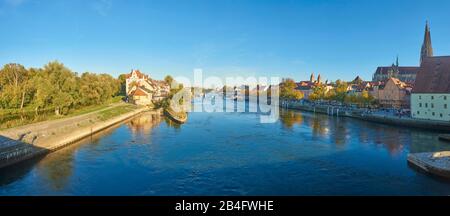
(406, 74)
(393, 94)
(143, 90)
(427, 48)
(431, 93)
(140, 96)
(430, 97)
(307, 87)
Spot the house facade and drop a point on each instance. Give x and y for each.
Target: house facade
(430, 98)
(142, 90)
(393, 94)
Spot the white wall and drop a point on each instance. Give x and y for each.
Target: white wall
(424, 105)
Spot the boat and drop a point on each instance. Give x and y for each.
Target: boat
(178, 117)
(445, 137)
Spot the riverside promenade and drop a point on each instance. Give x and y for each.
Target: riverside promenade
(366, 115)
(25, 142)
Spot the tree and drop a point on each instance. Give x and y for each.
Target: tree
(366, 98)
(169, 80)
(15, 86)
(123, 82)
(340, 91)
(288, 90)
(319, 92)
(63, 86)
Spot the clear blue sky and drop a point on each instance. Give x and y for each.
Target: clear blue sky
(339, 39)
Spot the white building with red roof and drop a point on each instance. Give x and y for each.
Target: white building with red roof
(143, 90)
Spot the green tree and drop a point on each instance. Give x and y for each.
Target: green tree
(122, 82)
(340, 91)
(319, 92)
(288, 90)
(15, 86)
(63, 86)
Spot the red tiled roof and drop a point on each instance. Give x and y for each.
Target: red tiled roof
(305, 85)
(433, 76)
(138, 73)
(139, 92)
(399, 83)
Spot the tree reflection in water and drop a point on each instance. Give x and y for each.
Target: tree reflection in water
(341, 131)
(289, 118)
(57, 169)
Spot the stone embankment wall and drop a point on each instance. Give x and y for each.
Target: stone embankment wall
(15, 150)
(360, 114)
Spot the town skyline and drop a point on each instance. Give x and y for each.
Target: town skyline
(247, 49)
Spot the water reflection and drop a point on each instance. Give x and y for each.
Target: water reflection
(228, 154)
(289, 118)
(144, 123)
(56, 170)
(342, 131)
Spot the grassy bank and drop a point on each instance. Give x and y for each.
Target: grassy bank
(15, 117)
(110, 113)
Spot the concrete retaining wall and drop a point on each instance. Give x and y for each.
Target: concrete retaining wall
(20, 151)
(359, 114)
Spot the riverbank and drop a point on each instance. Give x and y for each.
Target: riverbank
(372, 117)
(17, 118)
(21, 143)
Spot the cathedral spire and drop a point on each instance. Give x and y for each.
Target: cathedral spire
(311, 78)
(427, 49)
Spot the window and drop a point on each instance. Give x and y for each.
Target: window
(445, 106)
(440, 115)
(432, 113)
(445, 97)
(418, 112)
(420, 104)
(426, 105)
(420, 97)
(432, 97)
(432, 105)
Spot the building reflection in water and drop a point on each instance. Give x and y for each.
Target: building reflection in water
(144, 123)
(342, 131)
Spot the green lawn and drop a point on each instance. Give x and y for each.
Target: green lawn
(14, 118)
(116, 111)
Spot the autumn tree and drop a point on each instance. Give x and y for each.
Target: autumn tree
(288, 90)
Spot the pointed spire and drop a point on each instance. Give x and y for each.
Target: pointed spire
(319, 79)
(396, 62)
(427, 49)
(311, 78)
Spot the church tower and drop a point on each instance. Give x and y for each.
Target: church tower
(311, 78)
(427, 49)
(319, 79)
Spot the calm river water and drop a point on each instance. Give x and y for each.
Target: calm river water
(233, 154)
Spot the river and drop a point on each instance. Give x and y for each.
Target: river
(234, 154)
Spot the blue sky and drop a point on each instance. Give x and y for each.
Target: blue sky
(339, 39)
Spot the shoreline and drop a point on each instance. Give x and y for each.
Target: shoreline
(382, 119)
(20, 144)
